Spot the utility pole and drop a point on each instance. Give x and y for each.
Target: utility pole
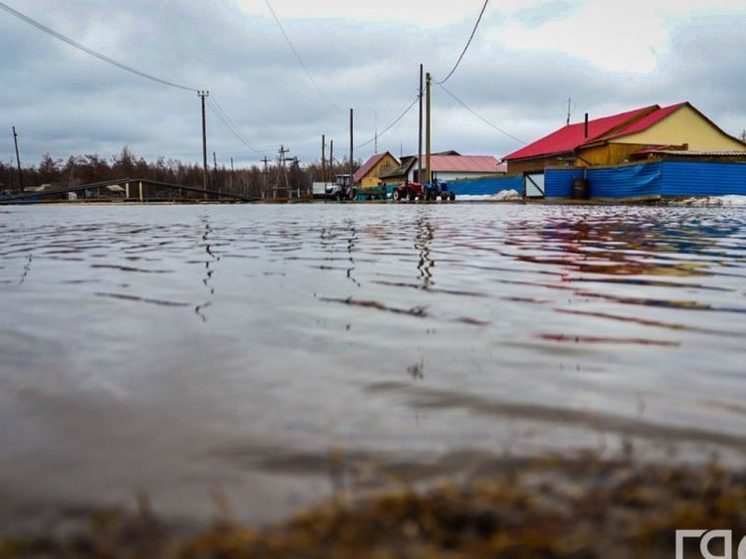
(428, 169)
(203, 95)
(569, 109)
(232, 174)
(323, 158)
(281, 170)
(18, 160)
(419, 142)
(351, 143)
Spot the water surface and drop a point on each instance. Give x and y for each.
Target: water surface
(273, 354)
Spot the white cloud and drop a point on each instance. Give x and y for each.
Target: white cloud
(627, 37)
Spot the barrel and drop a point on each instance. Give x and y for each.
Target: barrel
(580, 189)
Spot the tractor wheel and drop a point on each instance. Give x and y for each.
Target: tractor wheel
(396, 196)
(452, 196)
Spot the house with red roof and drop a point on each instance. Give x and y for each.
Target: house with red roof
(620, 138)
(369, 174)
(446, 166)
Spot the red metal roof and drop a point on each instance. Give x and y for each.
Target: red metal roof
(571, 137)
(647, 121)
(465, 163)
(368, 165)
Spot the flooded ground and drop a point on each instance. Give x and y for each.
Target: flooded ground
(263, 357)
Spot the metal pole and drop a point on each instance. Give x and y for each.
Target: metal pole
(203, 95)
(428, 169)
(18, 158)
(419, 142)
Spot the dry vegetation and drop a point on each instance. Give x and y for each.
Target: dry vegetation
(545, 509)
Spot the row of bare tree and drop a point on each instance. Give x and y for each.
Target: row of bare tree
(85, 169)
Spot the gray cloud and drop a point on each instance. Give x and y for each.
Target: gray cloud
(65, 102)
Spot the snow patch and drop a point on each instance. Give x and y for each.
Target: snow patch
(728, 200)
(503, 195)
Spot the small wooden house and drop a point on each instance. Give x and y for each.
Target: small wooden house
(369, 174)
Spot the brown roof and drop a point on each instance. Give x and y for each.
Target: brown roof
(368, 165)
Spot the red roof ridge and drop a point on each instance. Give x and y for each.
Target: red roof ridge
(572, 136)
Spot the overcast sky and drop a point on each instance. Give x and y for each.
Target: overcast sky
(527, 59)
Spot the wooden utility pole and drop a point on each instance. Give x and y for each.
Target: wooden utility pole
(323, 158)
(419, 137)
(18, 160)
(428, 169)
(569, 109)
(351, 143)
(203, 95)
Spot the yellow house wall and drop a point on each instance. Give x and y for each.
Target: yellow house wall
(372, 178)
(609, 154)
(685, 126)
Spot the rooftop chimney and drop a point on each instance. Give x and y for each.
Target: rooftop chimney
(586, 125)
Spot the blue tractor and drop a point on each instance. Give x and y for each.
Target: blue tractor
(438, 189)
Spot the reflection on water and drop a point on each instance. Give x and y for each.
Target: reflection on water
(177, 350)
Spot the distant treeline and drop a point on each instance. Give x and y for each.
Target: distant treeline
(85, 169)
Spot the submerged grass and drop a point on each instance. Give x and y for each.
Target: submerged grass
(550, 508)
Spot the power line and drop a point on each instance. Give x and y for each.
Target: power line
(463, 52)
(480, 117)
(390, 126)
(223, 116)
(87, 50)
(298, 57)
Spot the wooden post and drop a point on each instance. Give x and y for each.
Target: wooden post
(419, 138)
(18, 160)
(203, 95)
(428, 169)
(351, 145)
(127, 190)
(142, 197)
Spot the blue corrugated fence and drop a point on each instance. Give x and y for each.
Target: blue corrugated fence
(661, 178)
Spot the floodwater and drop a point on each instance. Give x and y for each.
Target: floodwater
(261, 357)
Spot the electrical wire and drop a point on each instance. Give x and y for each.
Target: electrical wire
(223, 116)
(298, 57)
(390, 126)
(218, 109)
(480, 117)
(463, 52)
(96, 54)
